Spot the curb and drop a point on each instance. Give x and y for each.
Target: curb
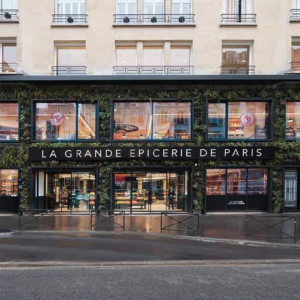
(161, 235)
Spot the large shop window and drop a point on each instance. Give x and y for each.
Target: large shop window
(65, 121)
(238, 121)
(9, 122)
(152, 121)
(236, 189)
(8, 190)
(292, 128)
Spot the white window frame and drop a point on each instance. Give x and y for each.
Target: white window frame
(154, 3)
(126, 2)
(8, 4)
(231, 6)
(296, 4)
(181, 2)
(71, 3)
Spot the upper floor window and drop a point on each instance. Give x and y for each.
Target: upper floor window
(8, 59)
(238, 11)
(235, 60)
(8, 10)
(152, 121)
(9, 121)
(292, 127)
(295, 62)
(70, 60)
(65, 121)
(70, 11)
(295, 11)
(8, 183)
(181, 7)
(238, 120)
(127, 7)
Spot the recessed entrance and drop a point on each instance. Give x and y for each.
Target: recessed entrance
(151, 191)
(66, 192)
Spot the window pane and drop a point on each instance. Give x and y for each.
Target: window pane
(153, 56)
(132, 120)
(216, 182)
(235, 56)
(126, 56)
(257, 181)
(172, 121)
(121, 8)
(9, 58)
(55, 121)
(236, 181)
(292, 130)
(248, 120)
(296, 53)
(216, 120)
(71, 57)
(9, 121)
(180, 56)
(86, 121)
(8, 183)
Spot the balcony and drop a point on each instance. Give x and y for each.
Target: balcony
(153, 20)
(153, 70)
(237, 70)
(9, 16)
(9, 68)
(69, 20)
(295, 15)
(295, 67)
(238, 19)
(69, 70)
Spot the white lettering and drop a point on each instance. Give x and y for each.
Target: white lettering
(53, 154)
(174, 152)
(245, 152)
(68, 153)
(188, 153)
(258, 152)
(226, 151)
(132, 152)
(98, 153)
(118, 153)
(165, 152)
(213, 152)
(154, 151)
(141, 151)
(43, 156)
(78, 153)
(235, 153)
(203, 152)
(108, 153)
(88, 153)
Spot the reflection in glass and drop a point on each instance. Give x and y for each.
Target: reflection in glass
(235, 60)
(215, 182)
(292, 127)
(295, 57)
(216, 120)
(58, 121)
(172, 121)
(248, 120)
(9, 121)
(8, 183)
(9, 58)
(257, 181)
(236, 181)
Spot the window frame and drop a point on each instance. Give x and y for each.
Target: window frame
(112, 129)
(2, 101)
(70, 47)
(270, 132)
(56, 2)
(247, 64)
(181, 2)
(126, 2)
(285, 120)
(33, 121)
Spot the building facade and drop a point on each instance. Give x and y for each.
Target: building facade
(150, 106)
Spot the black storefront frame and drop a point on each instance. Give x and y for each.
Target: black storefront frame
(34, 181)
(3, 101)
(270, 124)
(171, 100)
(269, 188)
(85, 101)
(297, 207)
(17, 199)
(160, 168)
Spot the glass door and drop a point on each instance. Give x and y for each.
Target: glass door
(290, 189)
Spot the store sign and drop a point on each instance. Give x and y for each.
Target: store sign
(247, 118)
(152, 153)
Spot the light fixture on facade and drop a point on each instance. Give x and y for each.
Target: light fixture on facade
(153, 20)
(7, 15)
(126, 20)
(70, 20)
(181, 19)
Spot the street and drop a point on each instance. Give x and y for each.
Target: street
(265, 282)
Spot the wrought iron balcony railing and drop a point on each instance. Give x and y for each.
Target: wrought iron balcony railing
(237, 70)
(238, 18)
(153, 70)
(8, 68)
(69, 19)
(295, 15)
(154, 19)
(295, 67)
(69, 70)
(9, 15)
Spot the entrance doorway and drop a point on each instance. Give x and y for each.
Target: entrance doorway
(291, 190)
(151, 191)
(66, 192)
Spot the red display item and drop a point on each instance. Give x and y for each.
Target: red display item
(247, 118)
(57, 119)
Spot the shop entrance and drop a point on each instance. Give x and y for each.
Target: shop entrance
(66, 192)
(151, 191)
(291, 190)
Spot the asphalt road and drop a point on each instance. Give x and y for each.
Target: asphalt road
(35, 247)
(152, 282)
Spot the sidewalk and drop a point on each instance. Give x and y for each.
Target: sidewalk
(211, 226)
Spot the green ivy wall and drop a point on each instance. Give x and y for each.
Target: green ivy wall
(16, 154)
